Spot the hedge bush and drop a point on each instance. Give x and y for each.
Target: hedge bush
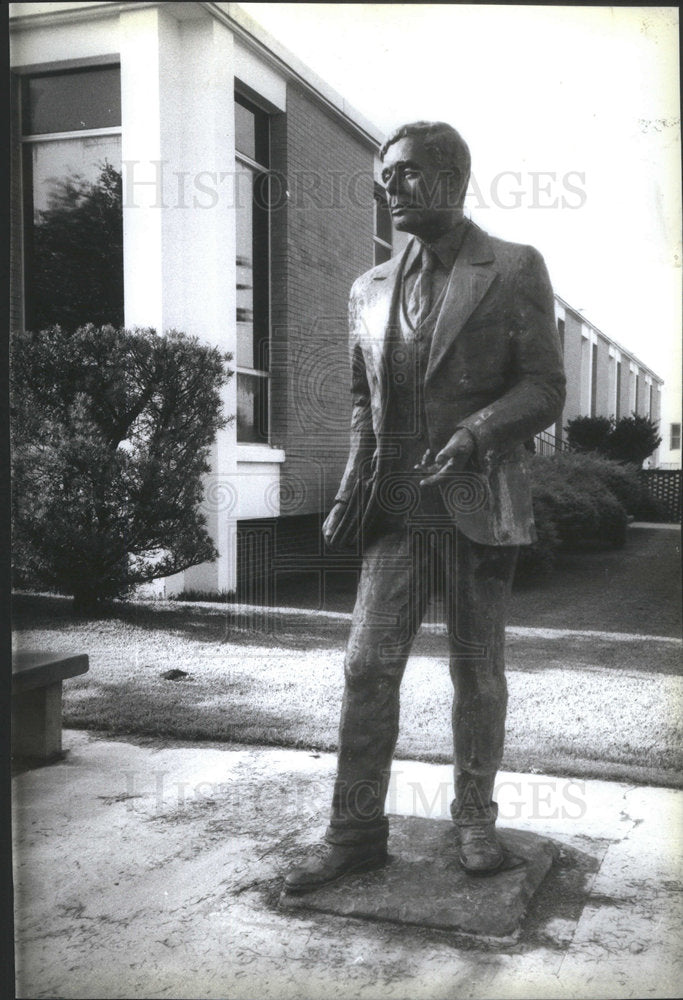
(625, 483)
(112, 431)
(581, 502)
(630, 440)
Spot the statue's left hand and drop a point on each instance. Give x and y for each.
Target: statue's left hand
(453, 457)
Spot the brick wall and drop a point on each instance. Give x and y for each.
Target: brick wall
(275, 553)
(321, 242)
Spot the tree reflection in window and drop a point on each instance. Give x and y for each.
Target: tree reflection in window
(75, 253)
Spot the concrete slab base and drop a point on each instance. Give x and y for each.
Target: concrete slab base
(425, 884)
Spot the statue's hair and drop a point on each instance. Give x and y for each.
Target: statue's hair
(449, 149)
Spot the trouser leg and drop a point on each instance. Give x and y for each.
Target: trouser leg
(392, 595)
(480, 590)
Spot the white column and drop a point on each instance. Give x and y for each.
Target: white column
(199, 258)
(142, 159)
(177, 87)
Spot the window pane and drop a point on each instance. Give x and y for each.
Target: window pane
(74, 232)
(252, 292)
(69, 102)
(560, 330)
(251, 132)
(382, 253)
(594, 378)
(252, 408)
(245, 131)
(618, 403)
(383, 228)
(244, 186)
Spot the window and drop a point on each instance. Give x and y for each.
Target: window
(252, 143)
(560, 330)
(382, 237)
(594, 378)
(675, 437)
(73, 221)
(617, 409)
(585, 384)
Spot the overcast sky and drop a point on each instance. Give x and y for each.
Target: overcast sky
(572, 116)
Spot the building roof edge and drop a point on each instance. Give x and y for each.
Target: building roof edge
(259, 39)
(610, 340)
(234, 17)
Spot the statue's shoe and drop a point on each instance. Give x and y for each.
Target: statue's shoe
(333, 862)
(481, 852)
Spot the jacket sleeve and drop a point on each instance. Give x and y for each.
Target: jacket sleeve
(536, 392)
(363, 442)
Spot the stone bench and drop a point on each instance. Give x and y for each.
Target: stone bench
(37, 701)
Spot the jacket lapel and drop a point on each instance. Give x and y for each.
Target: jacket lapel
(470, 279)
(380, 310)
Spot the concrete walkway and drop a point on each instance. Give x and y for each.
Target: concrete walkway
(145, 869)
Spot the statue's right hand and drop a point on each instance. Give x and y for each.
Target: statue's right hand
(333, 520)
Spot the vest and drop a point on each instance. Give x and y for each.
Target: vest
(405, 427)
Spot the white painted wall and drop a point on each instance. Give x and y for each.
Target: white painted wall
(41, 46)
(261, 77)
(177, 83)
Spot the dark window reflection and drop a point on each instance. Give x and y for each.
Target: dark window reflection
(251, 131)
(74, 253)
(253, 271)
(252, 408)
(383, 228)
(245, 131)
(382, 254)
(69, 102)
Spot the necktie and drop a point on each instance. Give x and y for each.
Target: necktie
(419, 304)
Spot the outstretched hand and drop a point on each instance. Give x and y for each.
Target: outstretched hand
(453, 457)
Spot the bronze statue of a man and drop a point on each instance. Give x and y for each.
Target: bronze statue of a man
(456, 365)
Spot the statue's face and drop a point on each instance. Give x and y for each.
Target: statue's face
(422, 196)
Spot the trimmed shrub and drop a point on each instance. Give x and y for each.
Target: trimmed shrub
(630, 440)
(538, 559)
(625, 483)
(112, 430)
(633, 439)
(589, 433)
(577, 506)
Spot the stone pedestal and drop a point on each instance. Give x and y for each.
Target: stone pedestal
(37, 722)
(425, 884)
(37, 701)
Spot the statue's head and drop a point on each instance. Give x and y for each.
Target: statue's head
(425, 171)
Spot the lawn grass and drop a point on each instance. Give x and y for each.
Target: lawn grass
(634, 589)
(578, 706)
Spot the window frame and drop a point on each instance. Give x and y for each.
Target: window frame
(264, 170)
(617, 395)
(31, 140)
(378, 243)
(561, 326)
(594, 378)
(674, 437)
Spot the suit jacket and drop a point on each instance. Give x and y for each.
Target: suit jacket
(495, 367)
